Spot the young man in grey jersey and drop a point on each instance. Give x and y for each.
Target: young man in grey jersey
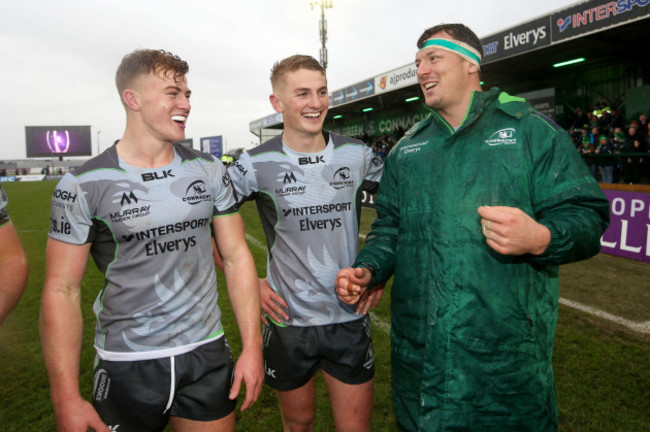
(144, 209)
(13, 263)
(307, 184)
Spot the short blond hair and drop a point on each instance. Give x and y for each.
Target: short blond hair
(292, 64)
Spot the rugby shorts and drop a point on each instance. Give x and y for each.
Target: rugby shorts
(142, 395)
(293, 354)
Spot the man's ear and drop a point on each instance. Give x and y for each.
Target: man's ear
(276, 103)
(131, 99)
(472, 68)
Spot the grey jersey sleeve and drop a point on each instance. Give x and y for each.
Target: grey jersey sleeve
(224, 201)
(374, 167)
(243, 178)
(70, 219)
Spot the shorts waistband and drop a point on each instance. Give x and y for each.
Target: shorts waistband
(152, 355)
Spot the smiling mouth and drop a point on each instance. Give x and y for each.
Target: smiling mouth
(312, 115)
(179, 119)
(429, 85)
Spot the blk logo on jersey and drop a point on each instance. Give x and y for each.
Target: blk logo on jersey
(311, 160)
(157, 175)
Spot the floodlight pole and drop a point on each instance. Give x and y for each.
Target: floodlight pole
(324, 4)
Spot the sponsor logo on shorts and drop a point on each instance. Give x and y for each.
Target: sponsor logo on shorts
(370, 354)
(502, 137)
(101, 385)
(266, 335)
(370, 358)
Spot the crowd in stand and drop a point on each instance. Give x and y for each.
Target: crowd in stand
(615, 152)
(382, 144)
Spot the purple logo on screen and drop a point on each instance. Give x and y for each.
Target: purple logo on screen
(58, 141)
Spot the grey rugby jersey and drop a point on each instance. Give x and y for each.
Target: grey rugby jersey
(4, 216)
(309, 206)
(150, 230)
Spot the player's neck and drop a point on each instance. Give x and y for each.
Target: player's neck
(455, 113)
(304, 143)
(145, 152)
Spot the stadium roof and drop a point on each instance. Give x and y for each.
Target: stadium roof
(520, 58)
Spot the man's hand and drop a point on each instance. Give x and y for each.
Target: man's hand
(250, 370)
(351, 283)
(510, 231)
(77, 416)
(272, 303)
(370, 299)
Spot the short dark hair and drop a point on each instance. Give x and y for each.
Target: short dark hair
(292, 64)
(145, 61)
(457, 31)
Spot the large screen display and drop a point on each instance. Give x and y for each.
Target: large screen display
(46, 141)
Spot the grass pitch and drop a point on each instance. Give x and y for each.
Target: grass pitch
(601, 368)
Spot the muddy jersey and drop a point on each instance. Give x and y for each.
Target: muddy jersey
(150, 230)
(309, 204)
(4, 216)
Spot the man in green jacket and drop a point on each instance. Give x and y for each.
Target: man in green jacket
(478, 205)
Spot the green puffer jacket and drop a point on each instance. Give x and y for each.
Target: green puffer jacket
(472, 330)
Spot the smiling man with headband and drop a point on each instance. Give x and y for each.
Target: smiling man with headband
(478, 205)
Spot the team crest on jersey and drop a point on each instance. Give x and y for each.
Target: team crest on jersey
(196, 193)
(342, 178)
